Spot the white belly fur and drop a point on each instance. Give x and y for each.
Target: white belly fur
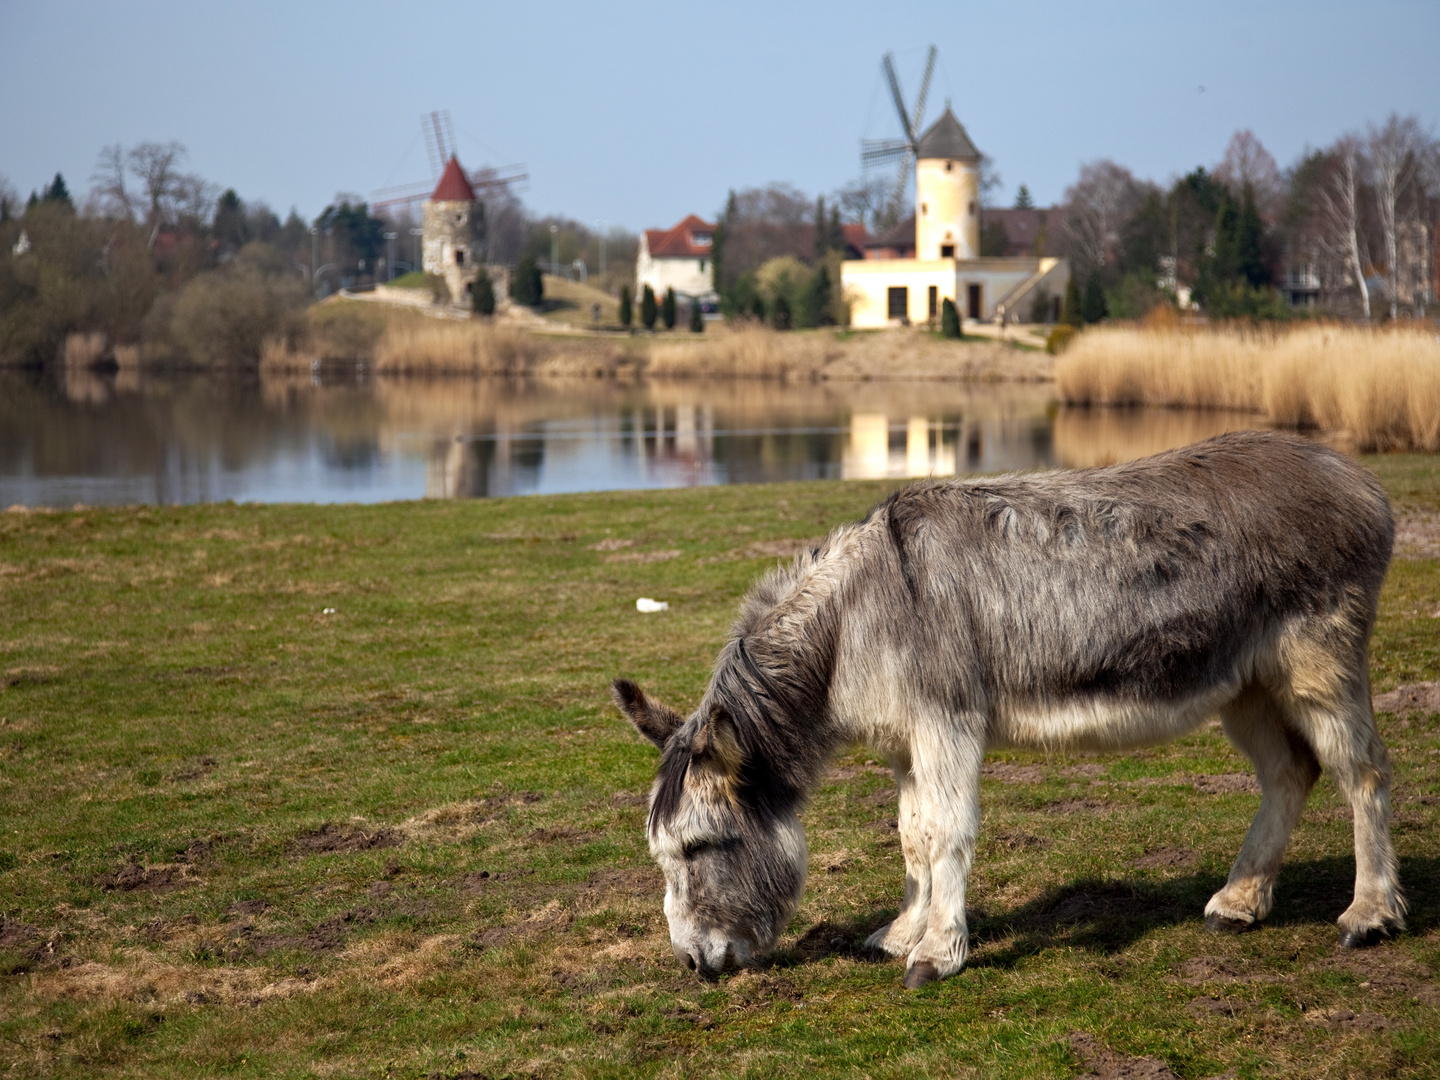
(1100, 724)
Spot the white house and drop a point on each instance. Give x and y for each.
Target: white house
(900, 284)
(678, 258)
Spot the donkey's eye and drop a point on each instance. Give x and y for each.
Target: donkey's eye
(695, 847)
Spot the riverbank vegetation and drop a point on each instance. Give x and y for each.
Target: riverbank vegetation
(1378, 389)
(347, 796)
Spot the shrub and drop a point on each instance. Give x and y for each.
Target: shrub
(949, 319)
(1093, 307)
(626, 314)
(482, 294)
(780, 313)
(1070, 312)
(647, 308)
(815, 301)
(225, 316)
(667, 309)
(1060, 338)
(1040, 306)
(697, 318)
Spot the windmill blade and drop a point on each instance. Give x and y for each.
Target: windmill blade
(889, 64)
(924, 90)
(897, 198)
(882, 151)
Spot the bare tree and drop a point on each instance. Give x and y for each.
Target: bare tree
(108, 189)
(1339, 199)
(1397, 153)
(865, 199)
(1097, 205)
(156, 166)
(1248, 164)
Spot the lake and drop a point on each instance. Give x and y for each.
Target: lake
(342, 436)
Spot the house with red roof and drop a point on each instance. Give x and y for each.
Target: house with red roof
(678, 258)
(452, 226)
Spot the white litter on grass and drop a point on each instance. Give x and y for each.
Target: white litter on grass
(328, 611)
(647, 605)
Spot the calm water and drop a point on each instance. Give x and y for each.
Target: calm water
(69, 438)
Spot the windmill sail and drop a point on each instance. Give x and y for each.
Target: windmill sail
(904, 150)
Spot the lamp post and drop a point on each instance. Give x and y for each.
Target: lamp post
(600, 228)
(555, 250)
(390, 255)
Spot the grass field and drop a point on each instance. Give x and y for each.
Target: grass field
(337, 791)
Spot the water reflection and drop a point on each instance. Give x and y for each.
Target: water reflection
(69, 437)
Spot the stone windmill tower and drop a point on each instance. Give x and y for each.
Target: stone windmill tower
(453, 225)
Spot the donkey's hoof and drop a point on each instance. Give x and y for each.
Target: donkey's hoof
(921, 974)
(1219, 924)
(1363, 938)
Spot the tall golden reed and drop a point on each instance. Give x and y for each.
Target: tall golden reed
(1379, 388)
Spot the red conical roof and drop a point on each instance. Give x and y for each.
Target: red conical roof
(453, 185)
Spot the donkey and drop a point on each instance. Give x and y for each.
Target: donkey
(1090, 610)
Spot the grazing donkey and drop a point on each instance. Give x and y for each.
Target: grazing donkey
(1088, 610)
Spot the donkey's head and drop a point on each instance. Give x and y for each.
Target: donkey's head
(733, 854)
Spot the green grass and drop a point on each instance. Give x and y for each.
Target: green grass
(180, 719)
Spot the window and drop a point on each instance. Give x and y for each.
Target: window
(700, 239)
(947, 251)
(459, 256)
(924, 209)
(948, 164)
(972, 209)
(897, 302)
(934, 301)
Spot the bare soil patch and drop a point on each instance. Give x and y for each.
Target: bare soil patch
(1017, 841)
(1212, 1005)
(329, 838)
(1226, 784)
(1417, 534)
(477, 882)
(1087, 768)
(1343, 1019)
(1075, 806)
(325, 936)
(1422, 697)
(1200, 970)
(14, 935)
(1009, 773)
(629, 798)
(1107, 1064)
(1165, 857)
(132, 877)
(1091, 905)
(1386, 971)
(551, 918)
(192, 770)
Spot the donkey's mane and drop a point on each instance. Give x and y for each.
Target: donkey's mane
(771, 680)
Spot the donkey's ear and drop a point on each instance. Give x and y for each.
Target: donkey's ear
(716, 743)
(655, 721)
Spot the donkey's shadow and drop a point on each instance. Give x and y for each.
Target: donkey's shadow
(1106, 917)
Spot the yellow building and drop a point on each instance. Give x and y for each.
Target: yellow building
(947, 263)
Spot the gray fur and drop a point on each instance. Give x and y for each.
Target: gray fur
(1095, 609)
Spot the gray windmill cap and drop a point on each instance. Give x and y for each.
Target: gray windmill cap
(947, 139)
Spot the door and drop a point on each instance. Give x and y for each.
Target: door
(898, 302)
(973, 301)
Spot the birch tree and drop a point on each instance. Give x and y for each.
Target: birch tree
(1396, 151)
(1340, 207)
(1098, 204)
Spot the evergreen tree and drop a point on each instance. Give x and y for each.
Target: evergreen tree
(816, 300)
(780, 313)
(1070, 311)
(1249, 243)
(482, 294)
(527, 283)
(229, 225)
(625, 313)
(949, 319)
(57, 192)
(717, 246)
(697, 318)
(757, 307)
(667, 309)
(1093, 307)
(1023, 201)
(822, 229)
(647, 308)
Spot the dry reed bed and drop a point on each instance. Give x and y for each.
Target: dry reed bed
(1380, 389)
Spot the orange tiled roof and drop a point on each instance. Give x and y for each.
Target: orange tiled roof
(679, 242)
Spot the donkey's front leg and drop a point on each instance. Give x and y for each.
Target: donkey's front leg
(898, 938)
(946, 773)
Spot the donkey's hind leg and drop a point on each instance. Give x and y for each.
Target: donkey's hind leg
(897, 938)
(1287, 770)
(1347, 743)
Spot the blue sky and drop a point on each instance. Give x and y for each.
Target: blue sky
(638, 114)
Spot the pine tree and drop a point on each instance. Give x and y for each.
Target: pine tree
(822, 230)
(717, 246)
(1249, 243)
(625, 313)
(697, 318)
(815, 302)
(780, 313)
(1023, 201)
(527, 284)
(949, 319)
(1070, 313)
(667, 309)
(647, 308)
(757, 308)
(57, 192)
(482, 294)
(1093, 307)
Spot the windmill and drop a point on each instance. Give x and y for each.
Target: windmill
(440, 145)
(875, 152)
